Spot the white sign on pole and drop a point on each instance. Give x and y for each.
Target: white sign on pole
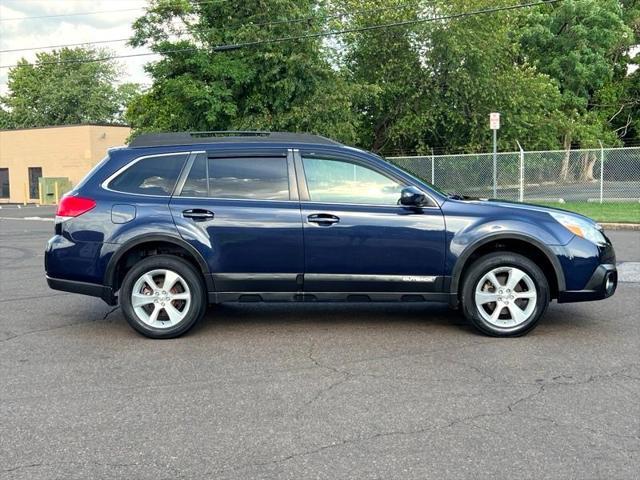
(494, 121)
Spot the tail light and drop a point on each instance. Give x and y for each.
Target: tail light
(71, 206)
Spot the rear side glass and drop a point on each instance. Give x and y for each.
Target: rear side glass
(151, 176)
(262, 178)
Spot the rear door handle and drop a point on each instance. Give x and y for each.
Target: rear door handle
(198, 214)
(323, 219)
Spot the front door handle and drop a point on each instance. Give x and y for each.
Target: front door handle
(323, 219)
(197, 214)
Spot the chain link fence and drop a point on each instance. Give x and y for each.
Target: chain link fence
(589, 175)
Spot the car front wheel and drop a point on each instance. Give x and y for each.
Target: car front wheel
(505, 294)
(163, 296)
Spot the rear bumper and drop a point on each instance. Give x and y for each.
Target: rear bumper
(601, 285)
(83, 288)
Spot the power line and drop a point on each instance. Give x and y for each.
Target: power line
(237, 46)
(98, 12)
(262, 24)
(64, 45)
(454, 16)
(70, 14)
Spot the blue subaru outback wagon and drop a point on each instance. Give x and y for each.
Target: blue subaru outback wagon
(174, 222)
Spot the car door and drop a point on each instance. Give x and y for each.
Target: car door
(358, 239)
(241, 210)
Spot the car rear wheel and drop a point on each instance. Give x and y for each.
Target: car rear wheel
(163, 296)
(505, 294)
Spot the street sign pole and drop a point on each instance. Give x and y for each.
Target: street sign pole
(495, 163)
(494, 124)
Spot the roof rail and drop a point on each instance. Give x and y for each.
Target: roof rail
(226, 136)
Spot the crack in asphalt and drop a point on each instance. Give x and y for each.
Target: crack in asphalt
(110, 312)
(57, 327)
(34, 297)
(50, 464)
(510, 409)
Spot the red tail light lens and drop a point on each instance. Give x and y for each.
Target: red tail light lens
(74, 206)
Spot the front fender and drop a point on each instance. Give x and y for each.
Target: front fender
(467, 231)
(549, 252)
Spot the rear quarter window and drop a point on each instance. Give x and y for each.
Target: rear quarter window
(155, 175)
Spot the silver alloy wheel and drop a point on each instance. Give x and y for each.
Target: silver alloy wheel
(161, 298)
(506, 297)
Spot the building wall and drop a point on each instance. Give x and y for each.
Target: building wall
(67, 151)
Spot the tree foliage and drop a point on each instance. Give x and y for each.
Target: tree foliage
(558, 73)
(278, 86)
(64, 87)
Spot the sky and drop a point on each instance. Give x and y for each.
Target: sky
(17, 32)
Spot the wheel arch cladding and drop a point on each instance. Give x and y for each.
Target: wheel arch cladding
(143, 246)
(511, 242)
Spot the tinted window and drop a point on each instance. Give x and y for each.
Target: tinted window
(343, 182)
(248, 178)
(150, 176)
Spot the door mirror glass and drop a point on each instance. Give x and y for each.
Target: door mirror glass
(412, 197)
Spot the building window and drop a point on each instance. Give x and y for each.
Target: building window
(34, 179)
(4, 183)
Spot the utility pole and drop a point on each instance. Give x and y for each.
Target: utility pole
(494, 124)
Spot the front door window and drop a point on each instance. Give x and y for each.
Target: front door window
(336, 181)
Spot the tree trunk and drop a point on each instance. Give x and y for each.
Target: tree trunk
(564, 169)
(587, 163)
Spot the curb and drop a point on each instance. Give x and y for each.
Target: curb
(620, 226)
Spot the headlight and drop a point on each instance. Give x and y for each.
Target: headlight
(581, 227)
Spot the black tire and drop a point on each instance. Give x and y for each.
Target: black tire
(486, 264)
(191, 276)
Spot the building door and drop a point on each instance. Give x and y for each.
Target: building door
(4, 183)
(34, 179)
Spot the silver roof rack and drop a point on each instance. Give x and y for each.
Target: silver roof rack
(227, 136)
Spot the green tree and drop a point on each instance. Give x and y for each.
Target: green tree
(279, 86)
(580, 44)
(64, 87)
(556, 73)
(438, 81)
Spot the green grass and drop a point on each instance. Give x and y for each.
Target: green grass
(612, 212)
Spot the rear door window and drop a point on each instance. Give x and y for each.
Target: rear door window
(261, 178)
(155, 175)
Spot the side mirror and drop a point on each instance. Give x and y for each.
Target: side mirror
(412, 197)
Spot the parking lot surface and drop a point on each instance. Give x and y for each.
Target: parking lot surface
(311, 391)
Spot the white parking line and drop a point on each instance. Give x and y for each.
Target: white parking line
(39, 219)
(629, 272)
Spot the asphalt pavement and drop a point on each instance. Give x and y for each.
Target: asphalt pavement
(326, 391)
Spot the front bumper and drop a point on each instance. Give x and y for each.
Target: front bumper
(601, 285)
(83, 288)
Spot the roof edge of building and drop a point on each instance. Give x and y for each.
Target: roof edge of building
(120, 125)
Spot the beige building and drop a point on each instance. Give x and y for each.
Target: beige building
(62, 152)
